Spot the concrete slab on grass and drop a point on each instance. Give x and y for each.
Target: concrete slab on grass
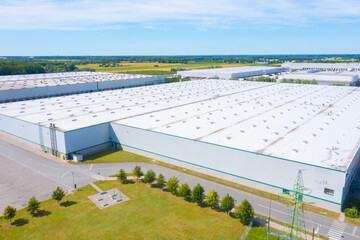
(108, 198)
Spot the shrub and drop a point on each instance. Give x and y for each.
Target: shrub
(227, 203)
(245, 212)
(352, 212)
(121, 176)
(58, 194)
(137, 172)
(9, 213)
(172, 184)
(212, 199)
(150, 176)
(197, 194)
(160, 181)
(184, 190)
(33, 205)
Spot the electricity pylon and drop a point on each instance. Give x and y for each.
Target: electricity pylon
(295, 220)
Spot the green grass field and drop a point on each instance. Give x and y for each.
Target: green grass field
(150, 214)
(157, 68)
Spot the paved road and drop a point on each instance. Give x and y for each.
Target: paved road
(51, 173)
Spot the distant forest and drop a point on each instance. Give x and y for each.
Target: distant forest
(27, 65)
(13, 67)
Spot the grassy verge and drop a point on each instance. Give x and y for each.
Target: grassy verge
(149, 214)
(354, 221)
(282, 224)
(115, 155)
(258, 232)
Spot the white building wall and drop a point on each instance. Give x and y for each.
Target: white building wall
(321, 78)
(34, 133)
(27, 93)
(264, 171)
(85, 138)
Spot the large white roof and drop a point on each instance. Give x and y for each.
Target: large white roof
(56, 79)
(328, 76)
(313, 124)
(344, 66)
(228, 71)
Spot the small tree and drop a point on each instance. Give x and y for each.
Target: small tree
(137, 172)
(121, 176)
(160, 181)
(172, 184)
(227, 203)
(197, 194)
(58, 194)
(184, 190)
(9, 213)
(245, 212)
(212, 199)
(33, 205)
(150, 177)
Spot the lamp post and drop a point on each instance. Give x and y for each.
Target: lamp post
(72, 173)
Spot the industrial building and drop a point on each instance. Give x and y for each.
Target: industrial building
(231, 72)
(323, 66)
(324, 77)
(22, 87)
(253, 133)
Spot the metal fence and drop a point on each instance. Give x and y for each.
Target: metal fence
(247, 231)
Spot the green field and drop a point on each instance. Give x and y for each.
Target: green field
(151, 213)
(156, 68)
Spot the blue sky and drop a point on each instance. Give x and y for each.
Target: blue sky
(173, 27)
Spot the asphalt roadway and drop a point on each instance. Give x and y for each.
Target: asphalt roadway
(24, 174)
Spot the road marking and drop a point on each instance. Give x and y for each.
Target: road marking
(272, 209)
(35, 170)
(65, 174)
(354, 231)
(91, 166)
(317, 229)
(336, 230)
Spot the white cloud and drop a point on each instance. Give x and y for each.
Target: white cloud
(106, 14)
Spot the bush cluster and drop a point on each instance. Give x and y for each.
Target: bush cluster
(353, 208)
(243, 212)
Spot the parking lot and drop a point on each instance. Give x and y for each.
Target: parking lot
(19, 183)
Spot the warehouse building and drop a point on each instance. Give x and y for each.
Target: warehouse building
(253, 133)
(22, 87)
(231, 72)
(323, 66)
(324, 78)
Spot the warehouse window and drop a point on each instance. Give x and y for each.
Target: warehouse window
(329, 191)
(285, 191)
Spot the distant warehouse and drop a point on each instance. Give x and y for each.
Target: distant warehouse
(253, 133)
(231, 72)
(323, 66)
(22, 87)
(324, 78)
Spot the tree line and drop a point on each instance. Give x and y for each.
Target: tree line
(30, 67)
(244, 212)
